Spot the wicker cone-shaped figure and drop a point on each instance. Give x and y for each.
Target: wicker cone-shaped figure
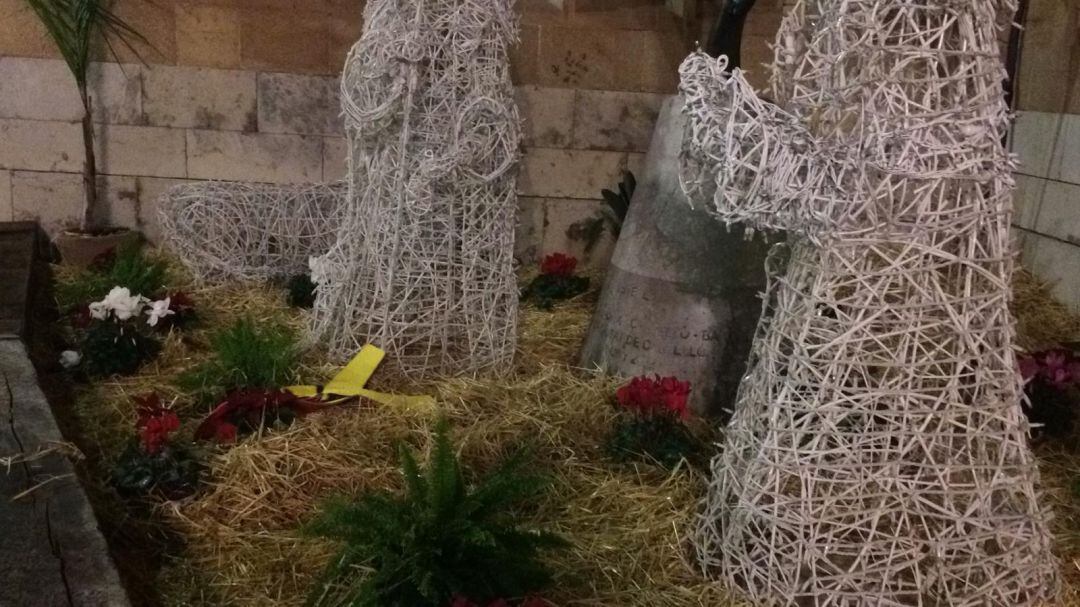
(878, 453)
(423, 265)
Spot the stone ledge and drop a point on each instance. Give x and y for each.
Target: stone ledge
(53, 552)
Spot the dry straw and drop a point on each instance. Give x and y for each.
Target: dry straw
(627, 523)
(423, 266)
(878, 453)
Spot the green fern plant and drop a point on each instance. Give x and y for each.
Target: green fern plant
(245, 355)
(439, 539)
(75, 26)
(128, 266)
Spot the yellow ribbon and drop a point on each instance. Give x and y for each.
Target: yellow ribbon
(351, 379)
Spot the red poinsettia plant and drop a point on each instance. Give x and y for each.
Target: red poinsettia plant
(155, 463)
(156, 423)
(247, 410)
(1052, 379)
(556, 281)
(651, 424)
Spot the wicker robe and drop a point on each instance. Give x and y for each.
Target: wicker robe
(878, 453)
(423, 263)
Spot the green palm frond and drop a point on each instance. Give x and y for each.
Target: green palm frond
(74, 25)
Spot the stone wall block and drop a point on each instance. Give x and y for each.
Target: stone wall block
(43, 89)
(547, 115)
(1059, 211)
(208, 35)
(296, 103)
(573, 227)
(150, 190)
(1032, 139)
(254, 157)
(222, 100)
(56, 199)
(553, 173)
(617, 60)
(529, 236)
(41, 145)
(335, 158)
(141, 150)
(613, 120)
(1065, 165)
(284, 40)
(6, 210)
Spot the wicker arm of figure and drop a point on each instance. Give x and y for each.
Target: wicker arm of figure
(749, 160)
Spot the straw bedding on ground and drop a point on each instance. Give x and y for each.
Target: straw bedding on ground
(628, 524)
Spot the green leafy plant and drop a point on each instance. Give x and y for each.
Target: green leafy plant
(439, 539)
(75, 26)
(115, 348)
(245, 355)
(301, 291)
(127, 266)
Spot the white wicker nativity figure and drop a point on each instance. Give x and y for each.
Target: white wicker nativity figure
(878, 453)
(423, 263)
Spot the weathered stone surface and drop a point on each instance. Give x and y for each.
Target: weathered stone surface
(7, 213)
(55, 199)
(548, 115)
(53, 552)
(680, 297)
(285, 40)
(1049, 55)
(335, 158)
(43, 89)
(140, 150)
(1058, 213)
(615, 120)
(1031, 139)
(208, 35)
(620, 14)
(157, 24)
(554, 173)
(38, 145)
(254, 156)
(1026, 200)
(297, 103)
(149, 190)
(530, 229)
(574, 227)
(22, 33)
(1065, 165)
(221, 100)
(608, 59)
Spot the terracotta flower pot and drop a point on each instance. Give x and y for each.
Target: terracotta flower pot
(81, 249)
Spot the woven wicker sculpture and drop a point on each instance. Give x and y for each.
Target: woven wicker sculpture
(424, 263)
(224, 230)
(878, 452)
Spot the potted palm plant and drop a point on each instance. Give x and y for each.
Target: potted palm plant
(76, 27)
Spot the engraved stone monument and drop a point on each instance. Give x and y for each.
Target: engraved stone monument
(681, 294)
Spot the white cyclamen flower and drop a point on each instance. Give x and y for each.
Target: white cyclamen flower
(70, 358)
(121, 303)
(158, 310)
(98, 310)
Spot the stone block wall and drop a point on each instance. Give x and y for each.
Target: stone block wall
(1046, 138)
(247, 90)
